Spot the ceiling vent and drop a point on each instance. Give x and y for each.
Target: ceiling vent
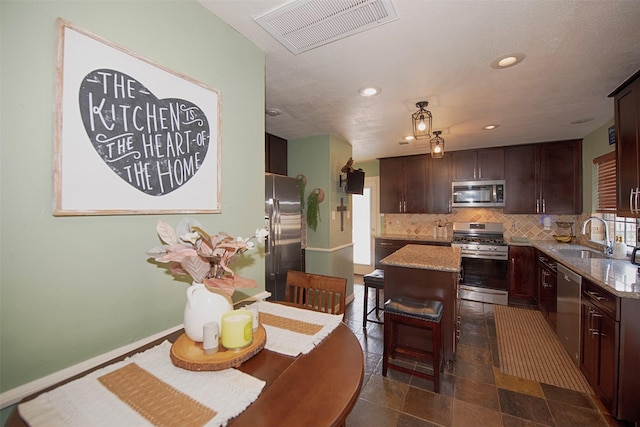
(306, 24)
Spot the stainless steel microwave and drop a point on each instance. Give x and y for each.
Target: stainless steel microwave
(477, 194)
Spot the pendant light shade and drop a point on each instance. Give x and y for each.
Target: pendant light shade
(421, 121)
(437, 145)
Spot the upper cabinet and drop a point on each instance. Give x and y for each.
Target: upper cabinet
(522, 172)
(439, 185)
(544, 178)
(627, 113)
(415, 184)
(403, 184)
(561, 177)
(541, 178)
(478, 165)
(275, 154)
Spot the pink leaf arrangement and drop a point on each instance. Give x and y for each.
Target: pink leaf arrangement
(192, 251)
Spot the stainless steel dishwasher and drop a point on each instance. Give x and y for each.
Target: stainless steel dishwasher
(568, 321)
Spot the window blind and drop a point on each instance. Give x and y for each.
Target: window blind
(604, 180)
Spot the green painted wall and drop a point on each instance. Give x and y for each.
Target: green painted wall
(340, 154)
(76, 287)
(320, 158)
(310, 157)
(593, 145)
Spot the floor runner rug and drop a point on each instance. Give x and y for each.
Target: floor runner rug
(528, 348)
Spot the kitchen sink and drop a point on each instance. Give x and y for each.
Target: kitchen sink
(580, 253)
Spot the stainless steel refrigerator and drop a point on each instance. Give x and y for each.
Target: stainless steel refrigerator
(283, 250)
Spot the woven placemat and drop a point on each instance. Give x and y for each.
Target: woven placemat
(155, 400)
(290, 324)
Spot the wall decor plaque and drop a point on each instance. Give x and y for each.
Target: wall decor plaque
(131, 136)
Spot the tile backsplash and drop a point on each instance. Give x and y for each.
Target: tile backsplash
(529, 226)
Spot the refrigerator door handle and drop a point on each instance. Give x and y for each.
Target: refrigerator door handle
(268, 240)
(277, 235)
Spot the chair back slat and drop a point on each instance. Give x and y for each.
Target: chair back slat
(316, 292)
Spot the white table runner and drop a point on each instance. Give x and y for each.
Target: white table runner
(288, 340)
(86, 402)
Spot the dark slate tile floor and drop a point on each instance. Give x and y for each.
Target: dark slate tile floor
(473, 390)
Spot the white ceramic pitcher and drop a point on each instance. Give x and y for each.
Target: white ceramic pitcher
(204, 305)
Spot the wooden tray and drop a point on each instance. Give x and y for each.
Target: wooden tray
(188, 354)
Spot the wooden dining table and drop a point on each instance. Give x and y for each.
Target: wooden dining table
(319, 388)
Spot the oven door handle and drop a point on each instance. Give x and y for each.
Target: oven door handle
(489, 255)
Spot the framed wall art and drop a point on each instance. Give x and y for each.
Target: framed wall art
(131, 136)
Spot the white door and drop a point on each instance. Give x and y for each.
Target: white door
(366, 222)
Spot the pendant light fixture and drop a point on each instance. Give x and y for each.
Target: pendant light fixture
(437, 145)
(421, 121)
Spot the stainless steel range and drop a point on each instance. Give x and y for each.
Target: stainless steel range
(484, 275)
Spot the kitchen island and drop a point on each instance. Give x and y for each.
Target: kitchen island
(426, 272)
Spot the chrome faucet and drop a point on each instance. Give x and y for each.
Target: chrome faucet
(608, 248)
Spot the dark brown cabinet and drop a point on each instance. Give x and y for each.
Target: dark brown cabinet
(403, 184)
(610, 349)
(439, 185)
(541, 178)
(415, 184)
(561, 177)
(275, 154)
(522, 177)
(627, 118)
(478, 165)
(521, 275)
(547, 288)
(544, 178)
(609, 338)
(599, 342)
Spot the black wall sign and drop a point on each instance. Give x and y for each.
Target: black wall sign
(154, 145)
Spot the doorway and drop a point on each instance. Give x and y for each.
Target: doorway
(366, 225)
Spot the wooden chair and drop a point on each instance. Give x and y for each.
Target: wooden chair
(316, 292)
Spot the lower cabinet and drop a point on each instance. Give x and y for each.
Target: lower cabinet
(521, 278)
(609, 339)
(547, 284)
(598, 360)
(599, 343)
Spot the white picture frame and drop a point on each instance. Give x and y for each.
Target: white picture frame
(131, 136)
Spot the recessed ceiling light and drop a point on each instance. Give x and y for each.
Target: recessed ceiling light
(370, 91)
(273, 112)
(509, 60)
(490, 127)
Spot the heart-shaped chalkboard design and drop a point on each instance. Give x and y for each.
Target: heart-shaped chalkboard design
(154, 145)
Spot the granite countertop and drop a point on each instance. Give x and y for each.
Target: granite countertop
(414, 238)
(441, 258)
(618, 276)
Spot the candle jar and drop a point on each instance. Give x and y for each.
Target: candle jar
(237, 329)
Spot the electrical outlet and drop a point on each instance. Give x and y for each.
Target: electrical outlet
(398, 223)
